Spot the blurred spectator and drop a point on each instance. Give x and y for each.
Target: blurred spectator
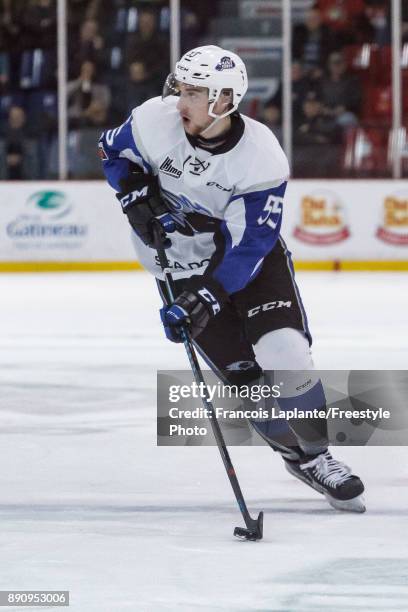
(316, 127)
(139, 87)
(301, 85)
(16, 144)
(77, 12)
(271, 117)
(348, 19)
(80, 11)
(341, 14)
(89, 47)
(190, 29)
(204, 12)
(378, 13)
(39, 25)
(4, 72)
(148, 45)
(315, 140)
(10, 27)
(10, 43)
(96, 114)
(404, 18)
(88, 100)
(341, 92)
(313, 41)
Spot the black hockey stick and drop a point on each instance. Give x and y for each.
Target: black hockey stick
(254, 527)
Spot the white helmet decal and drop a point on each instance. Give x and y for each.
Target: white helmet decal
(225, 63)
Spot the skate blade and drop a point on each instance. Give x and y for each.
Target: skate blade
(357, 504)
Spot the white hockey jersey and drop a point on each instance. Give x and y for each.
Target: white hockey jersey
(241, 190)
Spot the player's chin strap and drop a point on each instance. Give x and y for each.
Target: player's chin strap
(212, 124)
(217, 118)
(254, 527)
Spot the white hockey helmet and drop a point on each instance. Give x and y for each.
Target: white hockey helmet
(212, 67)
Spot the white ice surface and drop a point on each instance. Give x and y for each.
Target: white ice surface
(90, 504)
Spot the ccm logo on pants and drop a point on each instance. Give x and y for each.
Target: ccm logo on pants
(268, 306)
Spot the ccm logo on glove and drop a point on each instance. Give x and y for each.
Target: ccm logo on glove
(142, 203)
(193, 308)
(133, 196)
(208, 297)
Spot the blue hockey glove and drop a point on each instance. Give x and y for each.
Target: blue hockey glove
(201, 299)
(141, 202)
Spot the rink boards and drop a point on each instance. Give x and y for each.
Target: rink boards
(327, 224)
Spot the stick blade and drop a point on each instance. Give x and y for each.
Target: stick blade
(253, 533)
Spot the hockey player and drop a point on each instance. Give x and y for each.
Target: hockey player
(216, 180)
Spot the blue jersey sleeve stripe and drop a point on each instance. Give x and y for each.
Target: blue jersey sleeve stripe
(240, 264)
(122, 139)
(277, 189)
(119, 148)
(263, 218)
(115, 170)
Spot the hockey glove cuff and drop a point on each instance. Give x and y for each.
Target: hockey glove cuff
(201, 299)
(141, 202)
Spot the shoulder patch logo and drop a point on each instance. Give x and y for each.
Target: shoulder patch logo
(226, 63)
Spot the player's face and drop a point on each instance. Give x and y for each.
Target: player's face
(193, 108)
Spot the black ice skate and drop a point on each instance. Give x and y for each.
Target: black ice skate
(342, 489)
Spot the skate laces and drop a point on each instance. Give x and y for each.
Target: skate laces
(328, 470)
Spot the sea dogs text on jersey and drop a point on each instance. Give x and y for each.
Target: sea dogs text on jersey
(192, 265)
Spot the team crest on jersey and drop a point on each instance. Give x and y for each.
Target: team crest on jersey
(197, 166)
(226, 63)
(181, 205)
(168, 168)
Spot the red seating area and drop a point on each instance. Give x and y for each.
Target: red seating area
(368, 148)
(365, 152)
(369, 151)
(372, 64)
(377, 106)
